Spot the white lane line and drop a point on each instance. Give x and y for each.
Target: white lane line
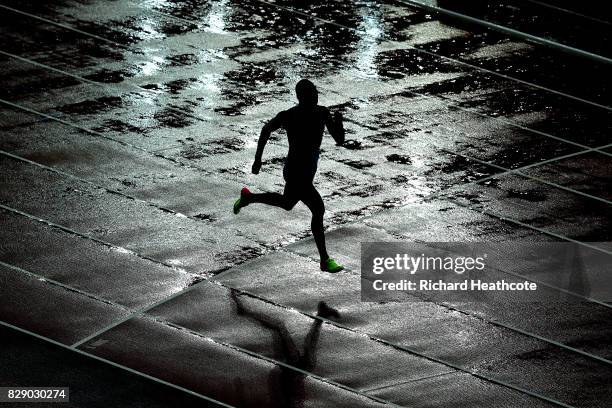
(455, 105)
(125, 368)
(586, 101)
(223, 344)
(510, 31)
(459, 62)
(547, 5)
(323, 320)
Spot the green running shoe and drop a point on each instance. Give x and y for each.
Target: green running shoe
(331, 266)
(242, 201)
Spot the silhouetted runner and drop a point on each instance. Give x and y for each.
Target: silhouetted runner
(304, 124)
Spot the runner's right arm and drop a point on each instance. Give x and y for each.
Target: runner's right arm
(266, 131)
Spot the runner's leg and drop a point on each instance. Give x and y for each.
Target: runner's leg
(287, 200)
(311, 197)
(274, 199)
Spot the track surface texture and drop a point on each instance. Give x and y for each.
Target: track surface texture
(128, 128)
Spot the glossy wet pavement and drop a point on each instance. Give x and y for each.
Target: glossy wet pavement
(128, 127)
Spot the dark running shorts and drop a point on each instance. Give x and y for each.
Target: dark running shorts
(302, 171)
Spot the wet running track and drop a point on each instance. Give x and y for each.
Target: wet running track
(127, 129)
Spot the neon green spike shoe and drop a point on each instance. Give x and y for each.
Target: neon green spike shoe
(242, 201)
(331, 266)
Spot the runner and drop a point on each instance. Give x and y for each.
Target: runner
(304, 124)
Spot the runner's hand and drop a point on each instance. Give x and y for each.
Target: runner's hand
(256, 167)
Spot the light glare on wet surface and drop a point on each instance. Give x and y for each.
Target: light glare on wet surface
(128, 128)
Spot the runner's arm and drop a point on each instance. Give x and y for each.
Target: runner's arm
(266, 131)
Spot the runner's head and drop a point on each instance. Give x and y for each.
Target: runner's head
(307, 93)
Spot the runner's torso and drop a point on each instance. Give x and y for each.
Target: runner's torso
(304, 128)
